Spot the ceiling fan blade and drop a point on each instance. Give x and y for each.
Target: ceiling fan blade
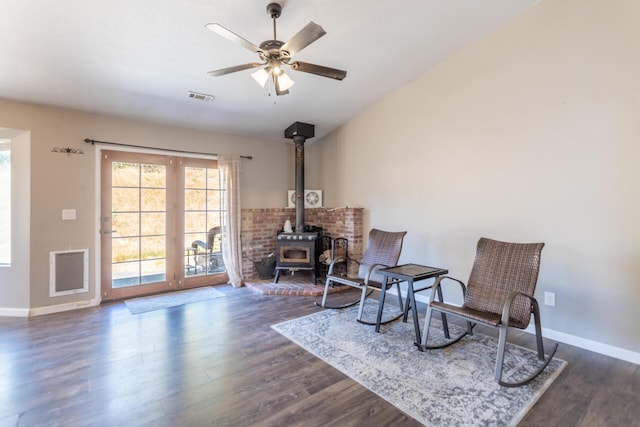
(230, 35)
(320, 70)
(303, 38)
(229, 70)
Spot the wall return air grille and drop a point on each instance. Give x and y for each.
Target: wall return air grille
(68, 272)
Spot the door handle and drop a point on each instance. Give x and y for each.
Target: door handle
(108, 231)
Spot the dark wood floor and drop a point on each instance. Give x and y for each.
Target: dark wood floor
(218, 363)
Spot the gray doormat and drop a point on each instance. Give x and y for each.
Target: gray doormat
(171, 299)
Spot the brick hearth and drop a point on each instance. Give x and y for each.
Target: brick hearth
(260, 226)
(298, 285)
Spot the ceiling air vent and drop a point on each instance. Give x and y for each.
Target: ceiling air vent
(201, 96)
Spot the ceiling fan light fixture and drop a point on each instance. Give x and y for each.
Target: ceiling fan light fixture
(284, 81)
(261, 76)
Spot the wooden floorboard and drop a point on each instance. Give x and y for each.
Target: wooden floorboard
(219, 363)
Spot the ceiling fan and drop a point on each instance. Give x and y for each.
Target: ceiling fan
(274, 54)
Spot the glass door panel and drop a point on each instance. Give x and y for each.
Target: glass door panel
(202, 218)
(134, 224)
(139, 195)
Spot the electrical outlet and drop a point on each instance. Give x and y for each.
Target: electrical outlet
(550, 299)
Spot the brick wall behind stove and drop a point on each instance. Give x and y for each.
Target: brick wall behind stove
(260, 226)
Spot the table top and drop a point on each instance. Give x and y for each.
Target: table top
(412, 271)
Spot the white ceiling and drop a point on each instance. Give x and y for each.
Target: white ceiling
(139, 58)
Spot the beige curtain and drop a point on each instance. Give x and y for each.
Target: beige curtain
(229, 166)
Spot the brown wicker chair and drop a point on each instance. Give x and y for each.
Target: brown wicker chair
(499, 294)
(383, 250)
(208, 258)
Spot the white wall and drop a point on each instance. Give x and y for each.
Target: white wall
(14, 278)
(530, 134)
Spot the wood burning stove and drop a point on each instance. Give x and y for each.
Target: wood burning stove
(298, 251)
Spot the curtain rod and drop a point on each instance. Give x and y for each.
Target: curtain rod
(93, 142)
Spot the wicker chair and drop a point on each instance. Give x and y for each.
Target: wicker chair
(499, 294)
(383, 250)
(208, 257)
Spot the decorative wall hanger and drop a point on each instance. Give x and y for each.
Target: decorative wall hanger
(67, 150)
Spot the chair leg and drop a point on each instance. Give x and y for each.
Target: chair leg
(536, 321)
(425, 333)
(326, 292)
(501, 348)
(502, 342)
(363, 299)
(425, 330)
(323, 304)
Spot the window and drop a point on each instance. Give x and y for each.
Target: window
(5, 202)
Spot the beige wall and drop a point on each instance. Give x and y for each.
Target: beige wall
(530, 134)
(59, 181)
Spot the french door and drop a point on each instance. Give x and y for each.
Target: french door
(160, 224)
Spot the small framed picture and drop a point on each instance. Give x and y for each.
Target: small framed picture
(291, 198)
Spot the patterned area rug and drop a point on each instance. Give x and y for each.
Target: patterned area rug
(448, 387)
(298, 284)
(171, 299)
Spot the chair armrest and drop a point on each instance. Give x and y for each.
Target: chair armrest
(506, 308)
(196, 245)
(370, 271)
(438, 284)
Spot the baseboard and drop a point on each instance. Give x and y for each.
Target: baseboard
(586, 344)
(49, 309)
(14, 312)
(59, 308)
(595, 346)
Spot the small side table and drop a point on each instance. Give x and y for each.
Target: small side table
(411, 273)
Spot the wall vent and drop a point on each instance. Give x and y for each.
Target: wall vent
(68, 272)
(201, 96)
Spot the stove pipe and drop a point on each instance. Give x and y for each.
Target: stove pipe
(299, 132)
(299, 141)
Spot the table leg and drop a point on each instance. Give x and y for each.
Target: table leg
(414, 309)
(383, 293)
(407, 305)
(445, 324)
